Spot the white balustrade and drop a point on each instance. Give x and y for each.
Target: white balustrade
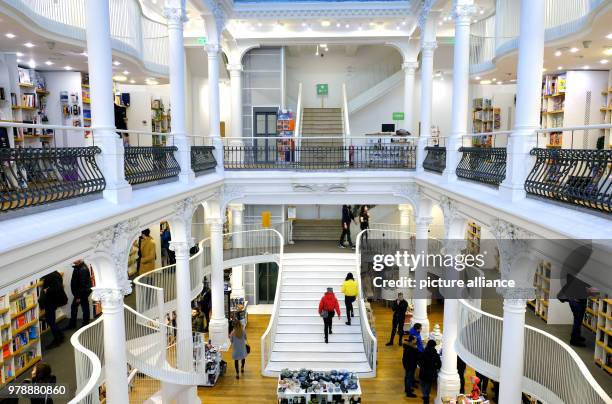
(88, 356)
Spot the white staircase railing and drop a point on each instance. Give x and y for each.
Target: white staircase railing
(298, 113)
(553, 371)
(88, 357)
(371, 94)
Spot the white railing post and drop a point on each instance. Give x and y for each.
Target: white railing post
(428, 46)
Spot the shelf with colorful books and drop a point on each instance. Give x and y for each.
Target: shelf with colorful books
(602, 324)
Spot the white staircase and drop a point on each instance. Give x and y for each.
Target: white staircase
(375, 92)
(298, 340)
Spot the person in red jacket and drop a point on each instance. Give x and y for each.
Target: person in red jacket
(327, 306)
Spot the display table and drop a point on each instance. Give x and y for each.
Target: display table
(462, 399)
(207, 360)
(306, 386)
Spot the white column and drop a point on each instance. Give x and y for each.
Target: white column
(237, 241)
(404, 271)
(235, 71)
(512, 355)
(114, 343)
(461, 70)
(427, 53)
(175, 17)
(421, 295)
(214, 115)
(409, 96)
(528, 99)
(101, 94)
(218, 323)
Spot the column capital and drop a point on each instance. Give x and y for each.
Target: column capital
(111, 298)
(236, 206)
(515, 299)
(462, 13)
(410, 67)
(175, 16)
(423, 221)
(428, 48)
(212, 49)
(215, 223)
(181, 248)
(234, 67)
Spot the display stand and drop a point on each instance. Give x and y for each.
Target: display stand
(289, 391)
(207, 360)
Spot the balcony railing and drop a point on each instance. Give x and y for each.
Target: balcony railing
(325, 153)
(202, 158)
(580, 177)
(435, 159)
(150, 163)
(483, 164)
(37, 176)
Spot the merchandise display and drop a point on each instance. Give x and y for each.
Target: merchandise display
(310, 386)
(598, 318)
(485, 118)
(208, 360)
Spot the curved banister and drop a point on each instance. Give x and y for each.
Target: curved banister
(88, 365)
(573, 384)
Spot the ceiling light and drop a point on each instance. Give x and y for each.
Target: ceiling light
(126, 72)
(338, 25)
(608, 51)
(259, 24)
(474, 21)
(603, 61)
(325, 23)
(404, 22)
(493, 79)
(18, 60)
(323, 45)
(500, 82)
(84, 53)
(372, 23)
(151, 81)
(303, 24)
(481, 12)
(485, 82)
(559, 67)
(585, 67)
(19, 54)
(544, 69)
(29, 45)
(132, 81)
(116, 63)
(360, 28)
(67, 67)
(49, 63)
(574, 50)
(513, 81)
(477, 78)
(10, 35)
(609, 36)
(119, 77)
(558, 53)
(32, 64)
(440, 23)
(397, 27)
(347, 26)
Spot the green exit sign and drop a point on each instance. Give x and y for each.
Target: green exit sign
(322, 89)
(202, 40)
(398, 116)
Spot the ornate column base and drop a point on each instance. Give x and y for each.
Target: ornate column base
(217, 332)
(448, 386)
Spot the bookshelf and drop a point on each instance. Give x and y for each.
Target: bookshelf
(86, 100)
(600, 321)
(553, 106)
(19, 332)
(29, 105)
(547, 285)
(160, 121)
(541, 284)
(485, 118)
(472, 236)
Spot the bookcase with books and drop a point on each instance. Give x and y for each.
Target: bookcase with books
(472, 236)
(485, 118)
(160, 121)
(547, 284)
(599, 320)
(29, 105)
(553, 106)
(20, 332)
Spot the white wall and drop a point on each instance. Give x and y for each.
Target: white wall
(56, 83)
(5, 106)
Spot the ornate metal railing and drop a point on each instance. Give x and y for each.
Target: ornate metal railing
(483, 164)
(435, 159)
(276, 156)
(580, 177)
(36, 176)
(150, 163)
(202, 158)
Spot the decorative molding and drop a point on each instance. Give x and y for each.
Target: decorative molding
(234, 67)
(108, 296)
(426, 6)
(175, 16)
(408, 191)
(230, 193)
(516, 296)
(219, 15)
(115, 241)
(513, 244)
(181, 248)
(319, 187)
(312, 11)
(212, 50)
(410, 67)
(183, 212)
(462, 13)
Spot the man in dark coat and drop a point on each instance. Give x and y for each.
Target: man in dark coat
(430, 364)
(53, 296)
(80, 286)
(347, 218)
(399, 307)
(410, 360)
(206, 306)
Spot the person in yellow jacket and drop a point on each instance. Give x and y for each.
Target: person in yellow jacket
(350, 290)
(146, 252)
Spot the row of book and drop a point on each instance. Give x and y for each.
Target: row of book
(23, 338)
(30, 76)
(22, 303)
(554, 85)
(23, 319)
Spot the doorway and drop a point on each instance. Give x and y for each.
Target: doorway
(264, 125)
(267, 276)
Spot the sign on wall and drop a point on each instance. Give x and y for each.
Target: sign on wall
(398, 116)
(322, 89)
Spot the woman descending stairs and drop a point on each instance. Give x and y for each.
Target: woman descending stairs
(297, 331)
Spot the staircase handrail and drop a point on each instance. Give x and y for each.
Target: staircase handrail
(88, 364)
(345, 112)
(298, 113)
(570, 384)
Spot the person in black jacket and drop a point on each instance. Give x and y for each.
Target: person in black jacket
(206, 306)
(461, 370)
(410, 360)
(399, 307)
(52, 297)
(430, 364)
(347, 218)
(80, 286)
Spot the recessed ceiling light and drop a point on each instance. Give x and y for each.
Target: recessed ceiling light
(609, 36)
(586, 67)
(67, 67)
(493, 79)
(603, 61)
(544, 69)
(10, 35)
(574, 50)
(558, 53)
(559, 67)
(19, 54)
(132, 81)
(500, 82)
(126, 72)
(29, 45)
(259, 24)
(347, 26)
(84, 53)
(608, 51)
(119, 77)
(404, 22)
(18, 60)
(338, 25)
(485, 82)
(325, 23)
(440, 23)
(303, 24)
(49, 63)
(474, 21)
(32, 64)
(481, 12)
(151, 81)
(477, 78)
(116, 63)
(513, 80)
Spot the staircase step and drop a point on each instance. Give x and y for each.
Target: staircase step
(360, 367)
(313, 282)
(308, 296)
(318, 321)
(309, 288)
(325, 357)
(310, 305)
(337, 275)
(348, 347)
(316, 329)
(317, 338)
(304, 312)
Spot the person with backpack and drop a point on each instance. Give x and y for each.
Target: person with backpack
(53, 296)
(80, 286)
(327, 306)
(350, 290)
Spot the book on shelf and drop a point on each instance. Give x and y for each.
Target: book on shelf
(24, 76)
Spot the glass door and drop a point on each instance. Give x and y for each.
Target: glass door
(267, 276)
(264, 122)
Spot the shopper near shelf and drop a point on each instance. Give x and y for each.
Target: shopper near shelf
(197, 320)
(238, 338)
(461, 370)
(41, 374)
(80, 286)
(146, 252)
(52, 297)
(327, 306)
(410, 360)
(399, 307)
(416, 331)
(347, 219)
(430, 365)
(206, 306)
(364, 221)
(165, 238)
(349, 288)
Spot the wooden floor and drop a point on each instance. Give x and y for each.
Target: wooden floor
(387, 387)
